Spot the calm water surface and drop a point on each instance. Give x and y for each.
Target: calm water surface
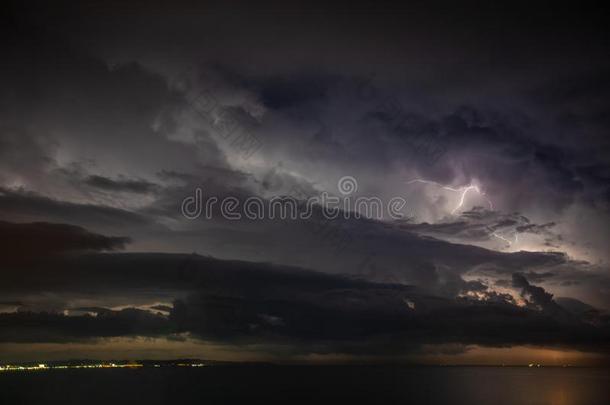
(311, 385)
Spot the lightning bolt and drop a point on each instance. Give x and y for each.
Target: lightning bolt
(510, 242)
(463, 190)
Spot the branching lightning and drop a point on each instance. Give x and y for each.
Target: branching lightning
(510, 242)
(463, 190)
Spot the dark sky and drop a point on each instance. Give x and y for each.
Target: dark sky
(490, 121)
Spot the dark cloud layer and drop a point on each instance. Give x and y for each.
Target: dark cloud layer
(28, 206)
(127, 185)
(40, 240)
(312, 312)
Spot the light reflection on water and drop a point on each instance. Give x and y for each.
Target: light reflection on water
(518, 385)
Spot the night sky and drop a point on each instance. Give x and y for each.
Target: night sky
(491, 122)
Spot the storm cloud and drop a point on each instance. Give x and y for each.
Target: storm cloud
(495, 136)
